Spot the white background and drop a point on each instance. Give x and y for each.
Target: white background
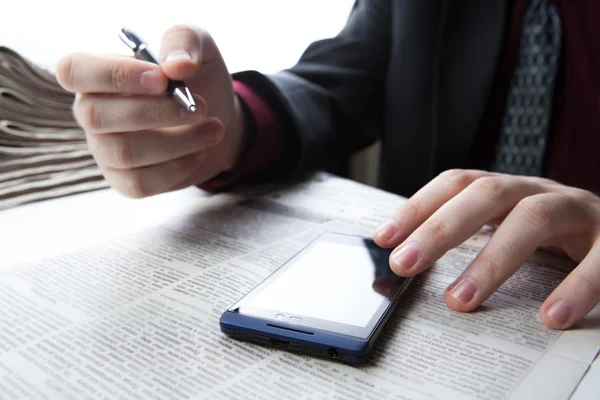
(266, 35)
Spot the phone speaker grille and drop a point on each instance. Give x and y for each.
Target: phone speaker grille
(290, 329)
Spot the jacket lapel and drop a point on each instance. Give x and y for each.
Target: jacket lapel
(471, 40)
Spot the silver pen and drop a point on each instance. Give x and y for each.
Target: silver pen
(177, 89)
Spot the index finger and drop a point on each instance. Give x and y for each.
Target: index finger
(423, 204)
(88, 73)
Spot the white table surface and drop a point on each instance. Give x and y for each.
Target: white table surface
(266, 35)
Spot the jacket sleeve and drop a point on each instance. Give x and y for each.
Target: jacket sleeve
(330, 102)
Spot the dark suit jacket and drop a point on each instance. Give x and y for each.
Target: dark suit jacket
(414, 73)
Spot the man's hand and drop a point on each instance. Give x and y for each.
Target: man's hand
(144, 142)
(530, 213)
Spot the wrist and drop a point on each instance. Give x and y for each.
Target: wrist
(255, 139)
(241, 135)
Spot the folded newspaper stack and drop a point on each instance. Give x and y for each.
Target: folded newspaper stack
(43, 152)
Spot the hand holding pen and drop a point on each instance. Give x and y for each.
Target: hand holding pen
(157, 125)
(176, 88)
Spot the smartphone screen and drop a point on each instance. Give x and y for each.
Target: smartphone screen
(338, 283)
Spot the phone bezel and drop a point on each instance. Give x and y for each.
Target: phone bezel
(310, 333)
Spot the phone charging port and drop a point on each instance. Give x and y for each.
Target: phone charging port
(281, 343)
(333, 353)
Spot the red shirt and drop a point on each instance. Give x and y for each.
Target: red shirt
(574, 137)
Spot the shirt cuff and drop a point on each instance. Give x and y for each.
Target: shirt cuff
(265, 140)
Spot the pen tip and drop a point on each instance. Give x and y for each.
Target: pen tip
(192, 108)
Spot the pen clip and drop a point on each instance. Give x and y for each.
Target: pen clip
(130, 39)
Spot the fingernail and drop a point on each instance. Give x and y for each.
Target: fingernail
(559, 312)
(407, 256)
(178, 55)
(152, 80)
(387, 230)
(464, 290)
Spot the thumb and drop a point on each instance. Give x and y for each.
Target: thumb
(182, 51)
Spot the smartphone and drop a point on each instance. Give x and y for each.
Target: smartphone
(332, 299)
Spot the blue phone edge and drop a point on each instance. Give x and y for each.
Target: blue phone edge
(307, 340)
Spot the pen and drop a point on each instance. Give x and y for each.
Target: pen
(177, 89)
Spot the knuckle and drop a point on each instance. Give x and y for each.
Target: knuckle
(490, 268)
(119, 78)
(547, 181)
(584, 196)
(90, 115)
(586, 284)
(412, 210)
(491, 186)
(457, 177)
(537, 210)
(77, 109)
(136, 188)
(121, 153)
(153, 114)
(436, 231)
(65, 72)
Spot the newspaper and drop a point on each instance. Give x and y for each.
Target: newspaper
(137, 316)
(38, 134)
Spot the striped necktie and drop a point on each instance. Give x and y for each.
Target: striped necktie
(523, 136)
